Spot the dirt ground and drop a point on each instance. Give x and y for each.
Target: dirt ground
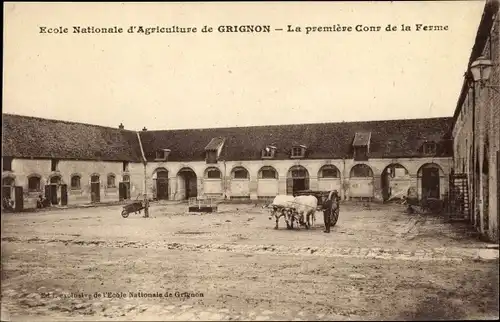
(377, 263)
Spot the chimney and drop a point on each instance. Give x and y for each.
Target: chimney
(144, 129)
(121, 127)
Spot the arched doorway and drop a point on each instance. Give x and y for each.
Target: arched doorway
(361, 181)
(267, 182)
(160, 178)
(297, 179)
(240, 183)
(430, 177)
(329, 178)
(395, 182)
(187, 184)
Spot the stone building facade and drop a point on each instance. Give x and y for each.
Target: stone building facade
(73, 163)
(476, 129)
(376, 160)
(70, 163)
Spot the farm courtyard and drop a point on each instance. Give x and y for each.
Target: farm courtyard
(377, 263)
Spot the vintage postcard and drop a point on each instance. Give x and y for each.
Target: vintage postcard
(264, 161)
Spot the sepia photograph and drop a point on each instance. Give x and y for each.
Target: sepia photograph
(250, 161)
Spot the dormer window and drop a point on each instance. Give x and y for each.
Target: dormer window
(162, 154)
(298, 151)
(213, 150)
(429, 148)
(361, 146)
(268, 152)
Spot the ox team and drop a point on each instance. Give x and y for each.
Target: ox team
(301, 209)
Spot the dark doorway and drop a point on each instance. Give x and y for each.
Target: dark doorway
(124, 188)
(162, 185)
(64, 195)
(53, 194)
(386, 189)
(393, 173)
(55, 181)
(430, 183)
(95, 189)
(297, 180)
(498, 186)
(190, 183)
(486, 188)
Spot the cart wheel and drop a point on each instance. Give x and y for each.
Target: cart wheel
(124, 214)
(335, 217)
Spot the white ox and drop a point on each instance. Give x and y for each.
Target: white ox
(279, 207)
(305, 208)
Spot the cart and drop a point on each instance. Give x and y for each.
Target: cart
(322, 197)
(134, 207)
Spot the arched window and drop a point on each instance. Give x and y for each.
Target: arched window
(213, 173)
(111, 181)
(268, 173)
(34, 183)
(240, 173)
(126, 178)
(361, 171)
(75, 182)
(298, 172)
(94, 178)
(329, 171)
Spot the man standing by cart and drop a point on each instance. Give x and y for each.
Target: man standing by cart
(329, 206)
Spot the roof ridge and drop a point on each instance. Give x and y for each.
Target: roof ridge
(302, 124)
(65, 121)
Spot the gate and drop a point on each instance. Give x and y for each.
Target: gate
(458, 197)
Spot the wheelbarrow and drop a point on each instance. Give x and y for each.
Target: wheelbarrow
(135, 207)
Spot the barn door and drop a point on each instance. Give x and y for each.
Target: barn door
(122, 191)
(127, 190)
(48, 192)
(64, 195)
(95, 192)
(19, 199)
(53, 194)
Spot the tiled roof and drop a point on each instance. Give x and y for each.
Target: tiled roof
(26, 137)
(361, 139)
(389, 139)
